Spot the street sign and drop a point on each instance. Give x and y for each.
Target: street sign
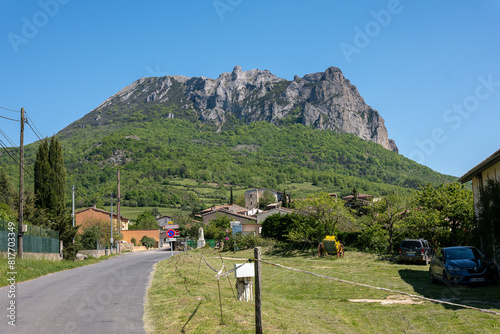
(171, 226)
(171, 239)
(177, 233)
(170, 233)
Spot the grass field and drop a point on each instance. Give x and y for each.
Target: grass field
(184, 297)
(133, 212)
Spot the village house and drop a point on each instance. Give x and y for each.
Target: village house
(163, 221)
(229, 207)
(253, 196)
(364, 199)
(264, 214)
(248, 224)
(488, 169)
(87, 217)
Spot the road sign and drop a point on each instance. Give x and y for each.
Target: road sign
(171, 226)
(177, 233)
(171, 233)
(171, 239)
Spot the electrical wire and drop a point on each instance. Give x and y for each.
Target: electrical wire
(9, 153)
(10, 109)
(10, 119)
(31, 121)
(40, 139)
(11, 142)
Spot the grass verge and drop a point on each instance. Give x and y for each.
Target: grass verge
(184, 298)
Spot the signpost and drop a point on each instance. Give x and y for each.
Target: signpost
(170, 233)
(171, 238)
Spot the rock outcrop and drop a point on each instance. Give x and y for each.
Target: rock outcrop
(324, 100)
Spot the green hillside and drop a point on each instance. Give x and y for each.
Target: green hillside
(157, 158)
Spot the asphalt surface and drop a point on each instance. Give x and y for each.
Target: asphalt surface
(106, 298)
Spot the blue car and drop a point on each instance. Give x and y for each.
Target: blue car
(464, 264)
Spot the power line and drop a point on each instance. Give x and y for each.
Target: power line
(10, 119)
(9, 153)
(31, 122)
(8, 139)
(10, 109)
(34, 131)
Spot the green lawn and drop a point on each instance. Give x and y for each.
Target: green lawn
(183, 297)
(133, 212)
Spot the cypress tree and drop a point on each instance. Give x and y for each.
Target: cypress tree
(231, 198)
(42, 172)
(50, 176)
(57, 176)
(284, 202)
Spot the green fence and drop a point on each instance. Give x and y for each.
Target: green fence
(35, 240)
(194, 243)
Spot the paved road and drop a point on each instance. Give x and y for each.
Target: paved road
(106, 298)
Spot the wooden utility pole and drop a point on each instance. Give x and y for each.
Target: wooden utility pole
(118, 211)
(111, 239)
(21, 190)
(258, 294)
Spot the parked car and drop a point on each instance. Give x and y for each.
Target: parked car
(464, 264)
(415, 250)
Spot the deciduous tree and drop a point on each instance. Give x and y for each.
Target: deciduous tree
(327, 214)
(455, 206)
(389, 213)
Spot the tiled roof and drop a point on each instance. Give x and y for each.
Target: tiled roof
(101, 211)
(230, 213)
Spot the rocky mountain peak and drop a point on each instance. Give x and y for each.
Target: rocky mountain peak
(325, 100)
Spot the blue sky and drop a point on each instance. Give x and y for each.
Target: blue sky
(431, 68)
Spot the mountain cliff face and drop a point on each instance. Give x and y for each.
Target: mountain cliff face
(324, 100)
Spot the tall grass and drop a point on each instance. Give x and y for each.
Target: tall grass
(183, 297)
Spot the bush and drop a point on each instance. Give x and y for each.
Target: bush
(148, 242)
(133, 241)
(246, 242)
(374, 239)
(351, 240)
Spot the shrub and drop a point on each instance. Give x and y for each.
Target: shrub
(133, 241)
(374, 239)
(148, 242)
(242, 242)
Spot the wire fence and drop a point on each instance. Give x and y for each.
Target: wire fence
(222, 273)
(35, 240)
(194, 244)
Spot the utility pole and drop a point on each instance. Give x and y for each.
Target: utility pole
(73, 209)
(111, 239)
(21, 190)
(118, 210)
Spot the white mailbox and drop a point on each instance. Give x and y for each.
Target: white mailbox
(246, 270)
